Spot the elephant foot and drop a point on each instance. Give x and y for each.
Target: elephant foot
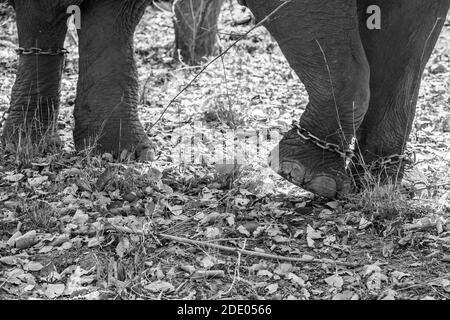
(125, 141)
(133, 148)
(142, 153)
(309, 167)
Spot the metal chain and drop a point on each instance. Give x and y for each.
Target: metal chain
(349, 154)
(395, 159)
(308, 136)
(33, 51)
(39, 51)
(4, 116)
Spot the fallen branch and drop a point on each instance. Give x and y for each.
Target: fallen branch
(238, 250)
(255, 253)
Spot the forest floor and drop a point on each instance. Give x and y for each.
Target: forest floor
(79, 226)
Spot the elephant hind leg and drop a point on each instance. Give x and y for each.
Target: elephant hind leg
(320, 40)
(397, 56)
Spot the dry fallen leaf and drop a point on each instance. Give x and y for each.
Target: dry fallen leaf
(160, 286)
(283, 269)
(78, 280)
(80, 218)
(243, 230)
(296, 279)
(123, 247)
(272, 288)
(335, 281)
(375, 280)
(313, 234)
(346, 295)
(54, 290)
(211, 218)
(14, 177)
(10, 260)
(207, 262)
(388, 249)
(33, 266)
(37, 181)
(212, 232)
(25, 241)
(264, 273)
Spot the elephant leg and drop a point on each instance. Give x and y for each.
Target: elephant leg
(397, 56)
(35, 94)
(320, 39)
(106, 115)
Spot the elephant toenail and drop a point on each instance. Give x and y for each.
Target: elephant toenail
(285, 168)
(323, 186)
(298, 174)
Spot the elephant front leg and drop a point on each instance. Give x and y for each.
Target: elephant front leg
(35, 94)
(320, 39)
(397, 54)
(106, 115)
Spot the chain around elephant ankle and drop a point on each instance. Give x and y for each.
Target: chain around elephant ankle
(39, 51)
(347, 154)
(407, 159)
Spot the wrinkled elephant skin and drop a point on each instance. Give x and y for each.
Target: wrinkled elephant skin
(359, 80)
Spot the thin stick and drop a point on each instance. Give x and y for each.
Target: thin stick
(216, 58)
(254, 253)
(237, 250)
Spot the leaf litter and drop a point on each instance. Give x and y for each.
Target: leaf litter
(83, 227)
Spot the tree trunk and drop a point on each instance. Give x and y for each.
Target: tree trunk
(196, 29)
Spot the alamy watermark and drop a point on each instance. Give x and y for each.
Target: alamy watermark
(196, 144)
(75, 16)
(372, 23)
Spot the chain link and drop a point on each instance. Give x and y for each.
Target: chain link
(348, 154)
(395, 159)
(3, 118)
(308, 136)
(43, 52)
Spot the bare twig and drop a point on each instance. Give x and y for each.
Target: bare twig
(254, 253)
(217, 58)
(236, 270)
(236, 250)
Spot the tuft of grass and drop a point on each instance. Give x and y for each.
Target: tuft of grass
(382, 200)
(29, 142)
(227, 175)
(221, 110)
(39, 215)
(380, 194)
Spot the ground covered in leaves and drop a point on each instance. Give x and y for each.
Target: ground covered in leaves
(81, 226)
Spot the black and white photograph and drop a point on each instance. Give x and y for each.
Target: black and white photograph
(241, 153)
